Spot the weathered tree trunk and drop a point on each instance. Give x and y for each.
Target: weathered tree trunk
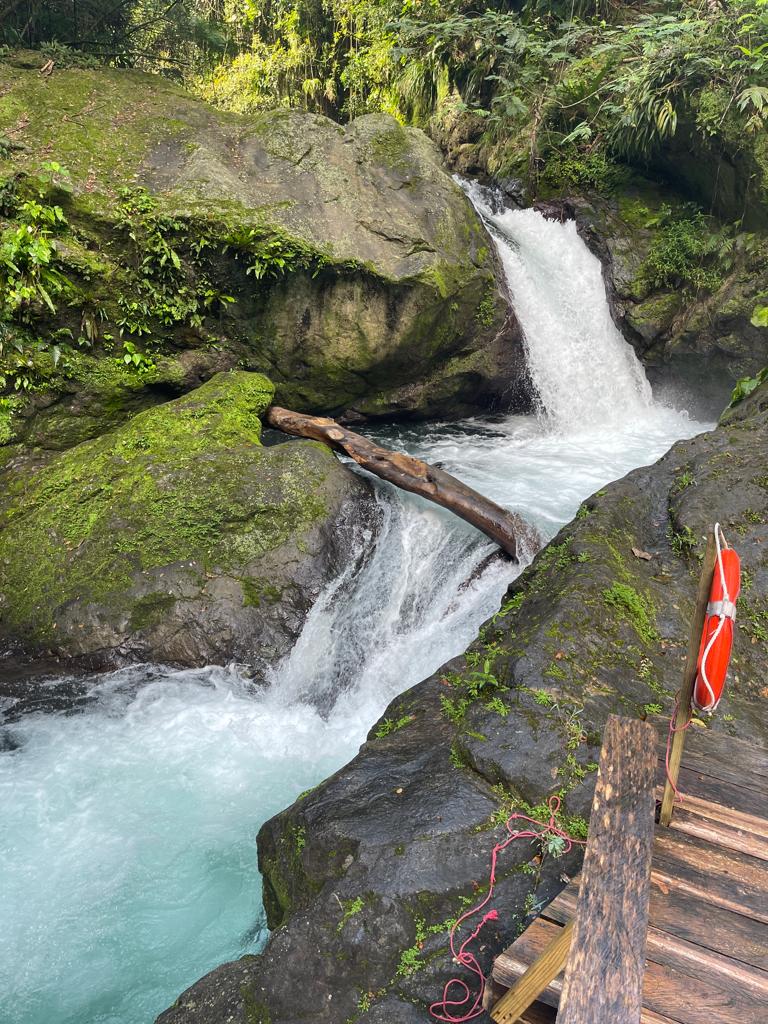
(508, 530)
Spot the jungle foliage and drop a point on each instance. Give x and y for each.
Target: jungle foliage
(584, 77)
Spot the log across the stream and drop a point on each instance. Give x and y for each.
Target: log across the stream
(508, 530)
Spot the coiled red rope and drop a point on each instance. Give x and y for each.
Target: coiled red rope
(443, 1009)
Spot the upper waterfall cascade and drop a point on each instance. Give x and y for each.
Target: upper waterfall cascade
(583, 370)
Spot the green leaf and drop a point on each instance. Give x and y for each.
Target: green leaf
(759, 316)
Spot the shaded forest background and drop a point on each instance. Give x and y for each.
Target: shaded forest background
(589, 84)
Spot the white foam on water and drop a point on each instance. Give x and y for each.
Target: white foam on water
(127, 829)
(584, 371)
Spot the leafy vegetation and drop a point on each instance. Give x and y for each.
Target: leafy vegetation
(390, 725)
(350, 908)
(125, 296)
(567, 91)
(31, 278)
(746, 386)
(636, 609)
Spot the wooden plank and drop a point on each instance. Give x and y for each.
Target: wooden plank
(511, 964)
(732, 817)
(723, 757)
(693, 783)
(683, 712)
(604, 977)
(723, 878)
(672, 912)
(707, 965)
(537, 977)
(673, 993)
(726, 757)
(719, 829)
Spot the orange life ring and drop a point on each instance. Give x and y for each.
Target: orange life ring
(717, 636)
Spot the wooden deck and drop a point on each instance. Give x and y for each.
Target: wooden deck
(707, 944)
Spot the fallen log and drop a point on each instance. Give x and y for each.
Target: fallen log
(516, 537)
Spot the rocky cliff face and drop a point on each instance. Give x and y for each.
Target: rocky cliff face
(687, 294)
(342, 261)
(363, 875)
(177, 538)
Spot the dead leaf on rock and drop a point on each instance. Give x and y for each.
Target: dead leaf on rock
(642, 554)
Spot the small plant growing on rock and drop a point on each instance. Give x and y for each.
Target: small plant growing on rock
(543, 699)
(634, 608)
(135, 359)
(350, 908)
(482, 681)
(683, 541)
(652, 709)
(390, 725)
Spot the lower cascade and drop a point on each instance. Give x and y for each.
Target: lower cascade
(128, 821)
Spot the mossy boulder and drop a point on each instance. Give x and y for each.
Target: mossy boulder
(176, 538)
(398, 843)
(342, 261)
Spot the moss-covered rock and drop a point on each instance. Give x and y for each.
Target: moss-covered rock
(683, 289)
(178, 537)
(342, 261)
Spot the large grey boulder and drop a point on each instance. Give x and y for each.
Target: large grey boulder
(363, 282)
(176, 538)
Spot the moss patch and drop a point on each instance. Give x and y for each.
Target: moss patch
(185, 482)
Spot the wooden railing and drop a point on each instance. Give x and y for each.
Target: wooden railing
(603, 948)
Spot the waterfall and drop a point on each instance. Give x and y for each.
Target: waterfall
(127, 829)
(583, 370)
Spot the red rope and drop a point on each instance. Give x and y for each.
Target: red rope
(441, 1010)
(672, 730)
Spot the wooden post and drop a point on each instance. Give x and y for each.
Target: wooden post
(604, 976)
(539, 975)
(689, 678)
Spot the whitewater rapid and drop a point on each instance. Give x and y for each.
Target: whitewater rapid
(127, 828)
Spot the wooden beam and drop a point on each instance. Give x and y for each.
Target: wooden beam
(538, 977)
(604, 976)
(509, 531)
(683, 712)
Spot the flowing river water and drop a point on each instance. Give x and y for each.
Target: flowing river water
(127, 828)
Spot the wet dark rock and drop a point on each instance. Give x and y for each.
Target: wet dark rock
(363, 874)
(694, 336)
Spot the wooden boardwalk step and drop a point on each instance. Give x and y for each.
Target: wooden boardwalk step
(722, 826)
(676, 915)
(695, 784)
(515, 961)
(726, 758)
(706, 951)
(724, 878)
